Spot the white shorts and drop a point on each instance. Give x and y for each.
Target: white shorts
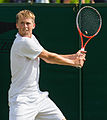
(44, 110)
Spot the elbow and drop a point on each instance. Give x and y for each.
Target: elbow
(50, 59)
(46, 60)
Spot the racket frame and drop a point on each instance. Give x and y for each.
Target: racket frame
(83, 35)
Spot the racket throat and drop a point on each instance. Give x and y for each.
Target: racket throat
(82, 49)
(82, 46)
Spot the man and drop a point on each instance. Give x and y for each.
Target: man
(26, 101)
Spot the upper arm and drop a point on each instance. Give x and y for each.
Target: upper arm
(28, 48)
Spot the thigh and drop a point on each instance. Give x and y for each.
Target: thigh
(19, 117)
(49, 111)
(22, 112)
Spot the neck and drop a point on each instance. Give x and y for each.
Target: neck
(26, 35)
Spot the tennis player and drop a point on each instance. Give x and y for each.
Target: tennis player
(26, 101)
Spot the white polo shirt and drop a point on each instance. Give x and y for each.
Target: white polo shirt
(25, 68)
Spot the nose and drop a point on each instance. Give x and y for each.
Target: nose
(25, 25)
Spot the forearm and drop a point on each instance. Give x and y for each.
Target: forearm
(69, 56)
(54, 58)
(70, 60)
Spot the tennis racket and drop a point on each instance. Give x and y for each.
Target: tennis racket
(88, 23)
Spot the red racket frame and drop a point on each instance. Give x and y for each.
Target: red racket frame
(81, 34)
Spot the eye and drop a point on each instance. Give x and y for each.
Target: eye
(22, 23)
(28, 23)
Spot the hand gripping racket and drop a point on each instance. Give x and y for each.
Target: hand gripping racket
(88, 23)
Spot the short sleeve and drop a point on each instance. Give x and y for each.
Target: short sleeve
(29, 48)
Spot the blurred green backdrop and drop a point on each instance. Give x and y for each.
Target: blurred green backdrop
(56, 31)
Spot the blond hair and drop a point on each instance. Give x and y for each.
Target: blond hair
(25, 14)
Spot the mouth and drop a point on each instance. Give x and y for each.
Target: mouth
(26, 29)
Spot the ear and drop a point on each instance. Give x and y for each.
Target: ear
(34, 25)
(17, 26)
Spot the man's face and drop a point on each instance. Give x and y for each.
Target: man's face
(25, 27)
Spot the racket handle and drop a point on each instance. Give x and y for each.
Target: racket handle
(82, 49)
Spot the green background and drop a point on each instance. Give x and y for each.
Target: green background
(56, 31)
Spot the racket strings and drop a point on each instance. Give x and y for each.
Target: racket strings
(89, 21)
